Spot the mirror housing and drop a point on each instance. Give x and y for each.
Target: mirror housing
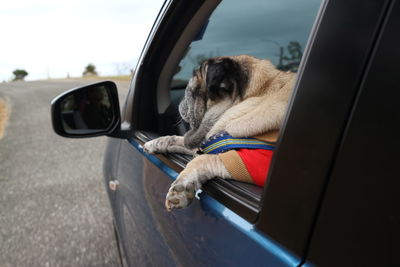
(87, 111)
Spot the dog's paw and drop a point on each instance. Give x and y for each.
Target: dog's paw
(150, 147)
(180, 194)
(159, 145)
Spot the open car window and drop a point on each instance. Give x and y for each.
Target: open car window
(277, 30)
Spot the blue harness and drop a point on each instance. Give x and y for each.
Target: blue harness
(223, 142)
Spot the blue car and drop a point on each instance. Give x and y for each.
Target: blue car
(332, 192)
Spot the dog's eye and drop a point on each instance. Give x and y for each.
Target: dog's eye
(226, 86)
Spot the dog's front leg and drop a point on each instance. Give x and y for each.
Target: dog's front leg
(196, 173)
(167, 144)
(194, 137)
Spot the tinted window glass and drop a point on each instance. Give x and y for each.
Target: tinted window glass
(274, 29)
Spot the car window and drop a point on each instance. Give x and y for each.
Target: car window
(270, 29)
(277, 30)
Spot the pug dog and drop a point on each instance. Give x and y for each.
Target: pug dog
(241, 97)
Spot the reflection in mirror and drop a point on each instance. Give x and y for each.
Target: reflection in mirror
(87, 111)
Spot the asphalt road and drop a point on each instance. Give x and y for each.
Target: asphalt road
(53, 207)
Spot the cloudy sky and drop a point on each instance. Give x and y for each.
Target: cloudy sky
(54, 38)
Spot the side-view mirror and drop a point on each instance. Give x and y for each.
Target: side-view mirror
(87, 111)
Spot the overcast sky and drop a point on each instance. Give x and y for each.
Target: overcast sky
(54, 38)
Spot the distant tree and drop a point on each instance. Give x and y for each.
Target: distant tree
(20, 74)
(90, 69)
(294, 49)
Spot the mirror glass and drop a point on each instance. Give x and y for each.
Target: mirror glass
(88, 110)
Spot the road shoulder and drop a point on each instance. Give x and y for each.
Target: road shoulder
(4, 114)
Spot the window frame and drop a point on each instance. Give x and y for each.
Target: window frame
(172, 33)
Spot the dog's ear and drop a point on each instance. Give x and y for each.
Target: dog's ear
(224, 77)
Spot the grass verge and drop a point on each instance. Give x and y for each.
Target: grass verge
(3, 116)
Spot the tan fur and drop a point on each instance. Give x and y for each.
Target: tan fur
(197, 171)
(264, 103)
(256, 113)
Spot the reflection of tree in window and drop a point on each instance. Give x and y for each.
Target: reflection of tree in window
(291, 62)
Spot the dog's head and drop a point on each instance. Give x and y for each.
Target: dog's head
(216, 85)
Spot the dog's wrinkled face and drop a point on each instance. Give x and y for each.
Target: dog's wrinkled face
(218, 81)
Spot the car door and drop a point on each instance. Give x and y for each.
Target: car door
(231, 223)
